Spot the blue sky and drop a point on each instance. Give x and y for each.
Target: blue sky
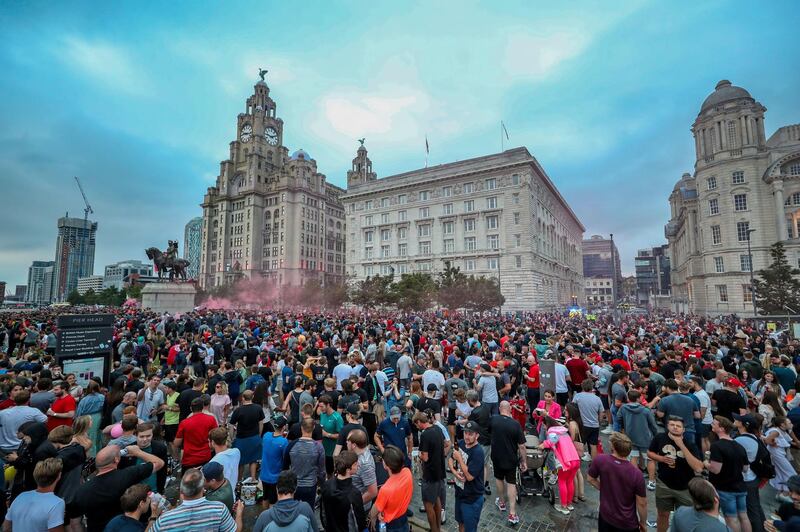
(140, 100)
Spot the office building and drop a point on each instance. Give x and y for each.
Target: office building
(92, 282)
(75, 248)
(192, 245)
(115, 274)
(40, 282)
(601, 261)
(652, 274)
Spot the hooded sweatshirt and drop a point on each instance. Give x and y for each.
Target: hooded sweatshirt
(639, 424)
(558, 439)
(287, 515)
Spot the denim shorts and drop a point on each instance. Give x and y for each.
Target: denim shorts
(732, 502)
(469, 513)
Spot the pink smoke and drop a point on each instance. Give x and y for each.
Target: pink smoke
(263, 294)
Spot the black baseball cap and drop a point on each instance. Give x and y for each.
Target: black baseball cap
(471, 426)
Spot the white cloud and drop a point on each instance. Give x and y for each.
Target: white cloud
(537, 55)
(105, 63)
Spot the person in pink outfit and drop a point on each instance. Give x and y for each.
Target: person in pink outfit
(557, 439)
(546, 407)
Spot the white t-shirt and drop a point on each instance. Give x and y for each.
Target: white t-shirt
(705, 402)
(404, 364)
(229, 460)
(561, 378)
(435, 377)
(32, 511)
(340, 373)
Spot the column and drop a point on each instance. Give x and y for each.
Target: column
(690, 232)
(743, 131)
(749, 123)
(777, 192)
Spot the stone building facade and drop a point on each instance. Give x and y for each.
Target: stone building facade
(495, 216)
(270, 215)
(745, 187)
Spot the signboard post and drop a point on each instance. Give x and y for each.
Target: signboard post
(84, 346)
(547, 376)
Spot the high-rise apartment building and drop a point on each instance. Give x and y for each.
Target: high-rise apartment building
(270, 215)
(601, 261)
(496, 216)
(40, 282)
(192, 245)
(75, 248)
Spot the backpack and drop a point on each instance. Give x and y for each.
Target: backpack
(349, 399)
(762, 466)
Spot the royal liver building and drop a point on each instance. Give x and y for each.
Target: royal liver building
(270, 215)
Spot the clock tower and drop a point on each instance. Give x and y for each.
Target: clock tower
(267, 213)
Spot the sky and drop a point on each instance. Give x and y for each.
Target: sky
(140, 99)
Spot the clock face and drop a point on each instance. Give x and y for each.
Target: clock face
(247, 132)
(272, 136)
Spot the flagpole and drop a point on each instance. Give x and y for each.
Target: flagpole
(502, 144)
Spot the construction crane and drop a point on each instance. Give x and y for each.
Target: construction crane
(88, 209)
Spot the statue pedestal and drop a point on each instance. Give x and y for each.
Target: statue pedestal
(174, 298)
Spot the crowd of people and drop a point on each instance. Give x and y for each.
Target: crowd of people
(332, 421)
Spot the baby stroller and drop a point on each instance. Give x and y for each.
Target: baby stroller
(538, 479)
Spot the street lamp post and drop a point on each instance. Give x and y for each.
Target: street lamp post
(752, 281)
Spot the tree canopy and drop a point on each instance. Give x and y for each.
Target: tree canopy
(777, 288)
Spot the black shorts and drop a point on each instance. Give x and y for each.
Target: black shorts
(604, 400)
(431, 490)
(591, 435)
(270, 493)
(329, 464)
(170, 431)
(451, 416)
(509, 475)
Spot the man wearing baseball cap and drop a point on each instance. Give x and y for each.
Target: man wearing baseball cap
(728, 400)
(466, 464)
(217, 486)
(395, 430)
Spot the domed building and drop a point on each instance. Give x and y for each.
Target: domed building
(745, 189)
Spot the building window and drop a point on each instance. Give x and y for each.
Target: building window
(385, 218)
(713, 206)
(469, 188)
(515, 179)
(516, 218)
(493, 241)
(425, 247)
(796, 198)
(518, 261)
(425, 212)
(515, 199)
(385, 252)
(423, 195)
(448, 228)
(794, 169)
(401, 216)
(744, 262)
(402, 233)
(737, 177)
(743, 231)
(447, 192)
(386, 234)
(368, 253)
(402, 250)
(424, 266)
(384, 202)
(368, 220)
(368, 271)
(722, 293)
(368, 205)
(712, 183)
(469, 225)
(517, 240)
(424, 230)
(747, 293)
(491, 184)
(447, 208)
(469, 243)
(449, 245)
(732, 144)
(719, 265)
(469, 205)
(491, 203)
(402, 199)
(469, 265)
(740, 202)
(492, 263)
(368, 236)
(716, 234)
(491, 222)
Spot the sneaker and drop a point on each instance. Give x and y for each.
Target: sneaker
(486, 489)
(513, 519)
(501, 505)
(570, 507)
(562, 509)
(651, 485)
(586, 457)
(607, 430)
(652, 524)
(444, 516)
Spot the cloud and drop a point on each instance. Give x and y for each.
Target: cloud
(537, 55)
(106, 64)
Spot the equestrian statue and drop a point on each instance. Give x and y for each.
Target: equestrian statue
(168, 261)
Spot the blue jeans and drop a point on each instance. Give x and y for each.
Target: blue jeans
(614, 421)
(398, 525)
(469, 513)
(732, 503)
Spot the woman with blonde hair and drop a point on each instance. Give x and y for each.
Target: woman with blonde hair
(91, 405)
(221, 403)
(81, 432)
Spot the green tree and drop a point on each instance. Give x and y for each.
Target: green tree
(90, 297)
(777, 288)
(335, 295)
(483, 294)
(74, 298)
(373, 291)
(452, 286)
(134, 291)
(415, 291)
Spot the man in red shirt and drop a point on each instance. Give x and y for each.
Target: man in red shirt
(532, 378)
(192, 436)
(62, 411)
(579, 370)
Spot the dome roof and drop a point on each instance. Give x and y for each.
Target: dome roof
(301, 155)
(725, 92)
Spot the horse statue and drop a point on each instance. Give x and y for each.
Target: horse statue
(168, 262)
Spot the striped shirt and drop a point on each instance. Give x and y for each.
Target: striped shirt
(196, 515)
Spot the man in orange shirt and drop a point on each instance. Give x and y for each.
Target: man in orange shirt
(62, 411)
(395, 495)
